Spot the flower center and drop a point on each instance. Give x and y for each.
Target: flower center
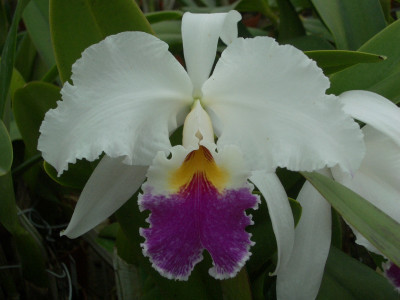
(199, 165)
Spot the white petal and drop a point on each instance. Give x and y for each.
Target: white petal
(301, 277)
(374, 110)
(279, 212)
(197, 128)
(110, 186)
(378, 178)
(270, 101)
(129, 93)
(200, 34)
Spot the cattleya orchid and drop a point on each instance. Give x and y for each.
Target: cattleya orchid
(265, 103)
(377, 180)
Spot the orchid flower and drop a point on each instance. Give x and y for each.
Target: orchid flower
(377, 180)
(265, 103)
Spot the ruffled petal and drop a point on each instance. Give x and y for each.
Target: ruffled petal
(128, 94)
(374, 110)
(377, 180)
(279, 212)
(110, 186)
(270, 101)
(200, 34)
(392, 273)
(197, 201)
(301, 277)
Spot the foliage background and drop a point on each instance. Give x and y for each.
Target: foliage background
(41, 39)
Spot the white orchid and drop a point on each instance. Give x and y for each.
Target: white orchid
(377, 180)
(266, 104)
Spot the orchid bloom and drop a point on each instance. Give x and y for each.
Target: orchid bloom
(265, 103)
(377, 180)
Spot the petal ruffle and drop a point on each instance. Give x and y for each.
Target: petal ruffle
(110, 186)
(374, 110)
(301, 277)
(378, 178)
(128, 94)
(270, 101)
(200, 34)
(279, 212)
(199, 215)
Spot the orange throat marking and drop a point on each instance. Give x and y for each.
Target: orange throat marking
(199, 162)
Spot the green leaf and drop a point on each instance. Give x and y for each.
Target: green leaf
(352, 23)
(8, 56)
(264, 237)
(3, 25)
(8, 208)
(290, 25)
(32, 259)
(170, 32)
(36, 19)
(160, 16)
(379, 78)
(25, 56)
(332, 61)
(346, 278)
(6, 150)
(310, 43)
(77, 24)
(386, 7)
(381, 230)
(237, 287)
(30, 104)
(75, 177)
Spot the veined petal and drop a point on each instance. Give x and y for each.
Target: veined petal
(110, 186)
(374, 110)
(270, 101)
(279, 212)
(128, 94)
(197, 201)
(200, 34)
(377, 179)
(301, 277)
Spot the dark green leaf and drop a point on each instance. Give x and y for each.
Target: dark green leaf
(8, 56)
(36, 19)
(381, 230)
(75, 177)
(25, 57)
(3, 25)
(380, 78)
(169, 32)
(237, 287)
(6, 150)
(352, 23)
(32, 259)
(386, 7)
(310, 43)
(30, 104)
(332, 61)
(77, 24)
(290, 25)
(8, 208)
(160, 16)
(264, 237)
(348, 279)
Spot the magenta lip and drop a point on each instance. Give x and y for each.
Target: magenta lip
(198, 217)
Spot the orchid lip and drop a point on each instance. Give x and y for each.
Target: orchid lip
(196, 211)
